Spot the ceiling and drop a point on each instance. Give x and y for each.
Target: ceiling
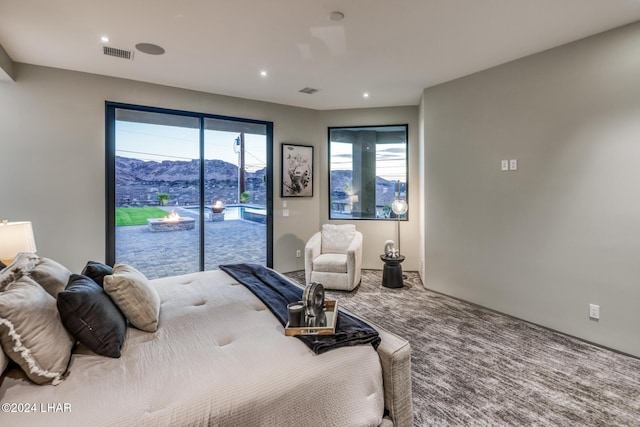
(391, 49)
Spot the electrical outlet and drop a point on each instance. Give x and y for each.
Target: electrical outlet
(594, 311)
(504, 165)
(285, 212)
(513, 165)
(298, 253)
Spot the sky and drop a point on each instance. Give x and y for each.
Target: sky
(152, 142)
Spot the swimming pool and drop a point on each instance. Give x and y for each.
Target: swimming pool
(234, 212)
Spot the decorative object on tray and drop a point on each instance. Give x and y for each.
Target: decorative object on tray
(296, 314)
(317, 318)
(313, 299)
(323, 324)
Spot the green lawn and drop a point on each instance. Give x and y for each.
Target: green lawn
(137, 216)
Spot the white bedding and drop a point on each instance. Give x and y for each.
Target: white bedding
(218, 358)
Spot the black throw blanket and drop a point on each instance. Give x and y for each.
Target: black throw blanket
(276, 292)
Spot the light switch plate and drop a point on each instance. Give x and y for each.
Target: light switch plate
(513, 165)
(285, 212)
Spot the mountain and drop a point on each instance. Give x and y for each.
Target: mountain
(138, 182)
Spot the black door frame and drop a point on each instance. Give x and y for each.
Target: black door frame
(110, 173)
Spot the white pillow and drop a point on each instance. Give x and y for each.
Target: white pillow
(135, 297)
(337, 238)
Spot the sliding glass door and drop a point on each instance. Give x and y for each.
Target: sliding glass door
(186, 191)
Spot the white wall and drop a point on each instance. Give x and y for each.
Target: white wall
(52, 159)
(563, 231)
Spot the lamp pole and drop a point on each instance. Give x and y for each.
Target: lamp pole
(399, 207)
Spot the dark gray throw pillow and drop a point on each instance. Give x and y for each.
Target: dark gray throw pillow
(96, 271)
(91, 317)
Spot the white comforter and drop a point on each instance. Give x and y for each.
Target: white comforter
(218, 358)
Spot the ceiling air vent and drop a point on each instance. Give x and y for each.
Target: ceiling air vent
(118, 53)
(308, 90)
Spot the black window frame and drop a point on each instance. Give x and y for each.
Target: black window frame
(404, 217)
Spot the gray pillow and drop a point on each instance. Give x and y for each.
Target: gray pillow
(22, 263)
(31, 332)
(4, 361)
(135, 297)
(52, 276)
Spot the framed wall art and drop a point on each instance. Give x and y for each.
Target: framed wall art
(297, 170)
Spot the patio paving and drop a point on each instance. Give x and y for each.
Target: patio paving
(162, 254)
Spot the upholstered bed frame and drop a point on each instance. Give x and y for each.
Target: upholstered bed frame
(218, 356)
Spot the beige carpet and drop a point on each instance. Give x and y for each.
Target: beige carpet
(475, 367)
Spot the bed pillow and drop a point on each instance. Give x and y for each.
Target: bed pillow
(4, 361)
(91, 317)
(133, 294)
(51, 275)
(21, 264)
(96, 271)
(31, 332)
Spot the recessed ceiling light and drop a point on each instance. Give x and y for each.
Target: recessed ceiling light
(263, 73)
(365, 95)
(336, 16)
(150, 48)
(104, 39)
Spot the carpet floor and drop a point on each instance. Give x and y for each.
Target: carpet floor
(475, 367)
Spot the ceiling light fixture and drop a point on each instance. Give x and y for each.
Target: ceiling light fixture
(150, 48)
(263, 73)
(365, 95)
(104, 39)
(308, 90)
(336, 16)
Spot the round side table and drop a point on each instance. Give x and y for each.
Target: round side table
(392, 272)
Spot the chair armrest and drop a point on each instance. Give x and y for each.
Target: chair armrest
(312, 250)
(354, 258)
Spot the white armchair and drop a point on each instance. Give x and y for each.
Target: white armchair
(333, 257)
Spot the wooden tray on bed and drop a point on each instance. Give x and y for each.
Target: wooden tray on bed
(330, 310)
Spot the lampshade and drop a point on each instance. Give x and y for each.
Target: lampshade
(399, 207)
(16, 237)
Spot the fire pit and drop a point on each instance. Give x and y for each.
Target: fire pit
(171, 222)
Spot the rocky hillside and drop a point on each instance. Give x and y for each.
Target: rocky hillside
(138, 182)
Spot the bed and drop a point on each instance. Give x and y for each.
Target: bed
(218, 357)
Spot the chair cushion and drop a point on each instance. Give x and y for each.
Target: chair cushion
(330, 263)
(336, 238)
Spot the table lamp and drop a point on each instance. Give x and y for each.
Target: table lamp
(15, 237)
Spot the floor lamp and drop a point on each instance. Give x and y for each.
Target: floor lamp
(399, 207)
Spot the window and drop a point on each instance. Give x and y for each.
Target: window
(367, 171)
(187, 191)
